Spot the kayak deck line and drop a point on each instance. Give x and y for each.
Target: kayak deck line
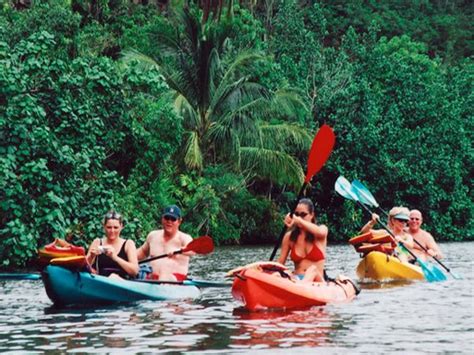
(187, 282)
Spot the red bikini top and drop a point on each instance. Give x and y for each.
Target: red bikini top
(314, 255)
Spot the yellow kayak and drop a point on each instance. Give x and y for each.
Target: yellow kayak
(380, 266)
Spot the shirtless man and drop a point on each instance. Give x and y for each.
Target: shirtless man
(166, 241)
(422, 237)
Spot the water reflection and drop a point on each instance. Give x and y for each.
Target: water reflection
(384, 318)
(274, 329)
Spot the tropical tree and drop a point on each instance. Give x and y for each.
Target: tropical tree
(229, 117)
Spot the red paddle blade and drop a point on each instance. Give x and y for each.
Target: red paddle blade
(201, 245)
(321, 148)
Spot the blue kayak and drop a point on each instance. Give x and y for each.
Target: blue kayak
(66, 287)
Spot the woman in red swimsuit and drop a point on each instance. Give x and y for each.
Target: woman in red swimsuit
(305, 242)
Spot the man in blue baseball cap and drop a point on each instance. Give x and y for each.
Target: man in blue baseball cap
(166, 241)
(172, 211)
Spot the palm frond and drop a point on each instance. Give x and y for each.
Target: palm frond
(193, 153)
(280, 136)
(275, 166)
(192, 119)
(241, 60)
(288, 101)
(226, 140)
(214, 66)
(143, 61)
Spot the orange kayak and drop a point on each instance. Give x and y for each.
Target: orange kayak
(70, 262)
(58, 249)
(258, 288)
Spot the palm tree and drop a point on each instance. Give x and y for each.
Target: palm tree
(226, 113)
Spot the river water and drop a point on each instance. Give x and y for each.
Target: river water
(414, 318)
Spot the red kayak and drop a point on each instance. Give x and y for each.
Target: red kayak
(267, 285)
(58, 249)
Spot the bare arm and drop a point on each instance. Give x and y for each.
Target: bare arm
(319, 231)
(433, 248)
(285, 249)
(370, 225)
(130, 266)
(93, 251)
(144, 251)
(407, 240)
(186, 239)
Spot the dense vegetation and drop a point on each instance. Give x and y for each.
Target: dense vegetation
(132, 105)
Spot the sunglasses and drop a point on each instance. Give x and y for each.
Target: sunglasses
(401, 220)
(170, 218)
(301, 214)
(113, 215)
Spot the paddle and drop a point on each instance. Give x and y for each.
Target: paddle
(201, 245)
(321, 148)
(367, 198)
(344, 188)
(189, 282)
(19, 276)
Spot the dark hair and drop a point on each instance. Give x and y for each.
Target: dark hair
(296, 231)
(112, 215)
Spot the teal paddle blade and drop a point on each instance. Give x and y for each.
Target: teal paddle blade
(363, 193)
(429, 274)
(344, 188)
(436, 271)
(432, 274)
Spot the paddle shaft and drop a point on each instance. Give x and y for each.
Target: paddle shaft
(161, 256)
(419, 244)
(18, 276)
(319, 152)
(345, 189)
(201, 245)
(188, 282)
(390, 232)
(283, 230)
(370, 200)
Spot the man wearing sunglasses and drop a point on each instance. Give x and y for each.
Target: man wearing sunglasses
(423, 237)
(167, 241)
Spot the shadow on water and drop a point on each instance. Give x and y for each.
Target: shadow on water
(78, 309)
(376, 285)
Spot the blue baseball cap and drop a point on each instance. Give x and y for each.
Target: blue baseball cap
(172, 211)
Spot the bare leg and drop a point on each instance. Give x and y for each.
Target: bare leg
(312, 274)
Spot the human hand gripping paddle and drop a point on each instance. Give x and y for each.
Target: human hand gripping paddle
(200, 245)
(366, 197)
(321, 148)
(344, 188)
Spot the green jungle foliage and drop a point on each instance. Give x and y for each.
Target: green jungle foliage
(118, 105)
